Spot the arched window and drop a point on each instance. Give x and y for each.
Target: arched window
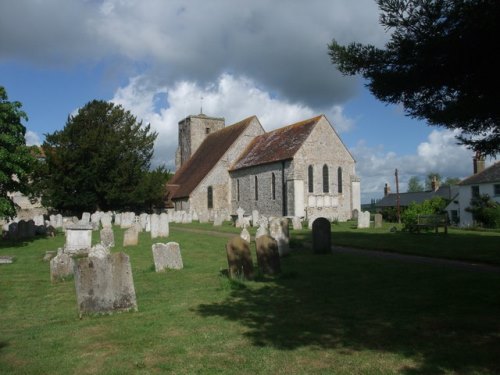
(238, 190)
(210, 197)
(326, 180)
(310, 178)
(339, 178)
(273, 185)
(256, 189)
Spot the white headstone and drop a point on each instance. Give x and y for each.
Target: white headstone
(155, 225)
(167, 256)
(164, 227)
(78, 238)
(255, 218)
(261, 231)
(278, 229)
(364, 219)
(61, 266)
(245, 235)
(296, 223)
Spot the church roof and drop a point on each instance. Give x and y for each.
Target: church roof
(490, 174)
(280, 144)
(212, 149)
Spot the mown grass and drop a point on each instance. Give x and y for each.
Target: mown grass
(335, 313)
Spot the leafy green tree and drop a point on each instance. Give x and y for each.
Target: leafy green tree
(485, 211)
(438, 64)
(432, 206)
(16, 160)
(414, 185)
(152, 192)
(430, 177)
(98, 160)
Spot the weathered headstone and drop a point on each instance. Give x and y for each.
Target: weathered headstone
(167, 256)
(364, 219)
(239, 259)
(164, 227)
(203, 217)
(218, 220)
(255, 218)
(22, 229)
(296, 223)
(118, 219)
(143, 219)
(49, 255)
(239, 222)
(104, 285)
(85, 218)
(261, 231)
(106, 220)
(355, 214)
(78, 238)
(195, 216)
(6, 259)
(245, 234)
(131, 237)
(278, 229)
(38, 219)
(268, 257)
(61, 266)
(99, 251)
(378, 220)
(107, 237)
(155, 225)
(127, 220)
(322, 236)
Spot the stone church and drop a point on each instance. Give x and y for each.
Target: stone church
(303, 169)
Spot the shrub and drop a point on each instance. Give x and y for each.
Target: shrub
(432, 206)
(485, 211)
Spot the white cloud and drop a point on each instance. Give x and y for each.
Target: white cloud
(32, 138)
(233, 98)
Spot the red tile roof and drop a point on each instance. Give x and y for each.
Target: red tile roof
(280, 144)
(215, 145)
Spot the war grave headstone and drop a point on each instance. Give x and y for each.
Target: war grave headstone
(377, 221)
(278, 229)
(104, 285)
(364, 219)
(78, 238)
(167, 256)
(268, 257)
(239, 258)
(322, 236)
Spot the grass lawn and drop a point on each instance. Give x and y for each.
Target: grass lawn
(324, 314)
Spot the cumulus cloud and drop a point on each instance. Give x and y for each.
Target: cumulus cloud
(282, 45)
(233, 98)
(440, 153)
(32, 138)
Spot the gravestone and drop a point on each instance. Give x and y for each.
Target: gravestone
(131, 237)
(378, 220)
(104, 285)
(203, 217)
(364, 219)
(143, 219)
(245, 234)
(167, 256)
(118, 219)
(218, 220)
(49, 255)
(355, 214)
(85, 218)
(95, 219)
(106, 220)
(322, 236)
(78, 238)
(278, 229)
(38, 219)
(107, 237)
(164, 227)
(6, 259)
(195, 216)
(99, 251)
(22, 230)
(61, 266)
(261, 231)
(13, 230)
(255, 218)
(296, 223)
(155, 225)
(239, 222)
(268, 257)
(52, 219)
(127, 220)
(239, 259)
(148, 224)
(59, 221)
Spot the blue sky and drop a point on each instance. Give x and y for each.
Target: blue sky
(261, 58)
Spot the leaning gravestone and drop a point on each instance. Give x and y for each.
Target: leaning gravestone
(155, 226)
(378, 220)
(104, 285)
(107, 237)
(239, 259)
(131, 237)
(322, 236)
(78, 238)
(167, 256)
(268, 257)
(364, 219)
(61, 266)
(278, 229)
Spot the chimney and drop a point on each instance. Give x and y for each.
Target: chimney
(434, 184)
(478, 162)
(387, 190)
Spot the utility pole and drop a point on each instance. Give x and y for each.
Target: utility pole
(398, 209)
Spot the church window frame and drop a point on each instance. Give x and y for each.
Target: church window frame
(210, 197)
(256, 187)
(310, 179)
(339, 179)
(273, 185)
(238, 190)
(326, 179)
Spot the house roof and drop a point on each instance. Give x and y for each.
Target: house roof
(390, 200)
(277, 145)
(212, 149)
(490, 174)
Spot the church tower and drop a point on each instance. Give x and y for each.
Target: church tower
(192, 131)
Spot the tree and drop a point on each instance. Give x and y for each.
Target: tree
(414, 185)
(431, 206)
(438, 63)
(98, 161)
(452, 181)
(433, 176)
(485, 211)
(16, 160)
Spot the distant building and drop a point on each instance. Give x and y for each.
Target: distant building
(302, 169)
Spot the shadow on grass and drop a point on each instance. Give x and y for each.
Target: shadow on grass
(336, 302)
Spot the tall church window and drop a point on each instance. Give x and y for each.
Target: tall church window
(310, 178)
(210, 197)
(273, 185)
(238, 190)
(326, 179)
(256, 189)
(339, 178)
